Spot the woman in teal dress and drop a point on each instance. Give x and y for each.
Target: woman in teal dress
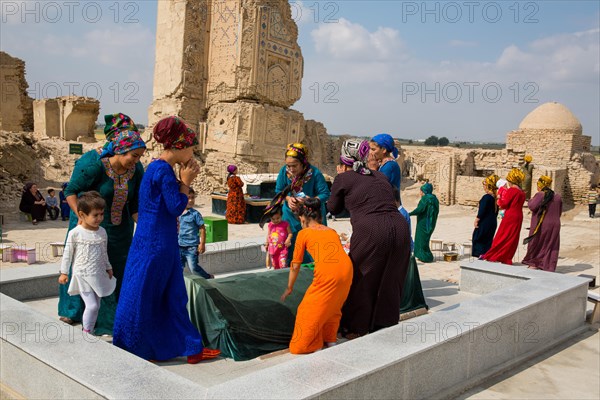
(116, 173)
(427, 212)
(297, 181)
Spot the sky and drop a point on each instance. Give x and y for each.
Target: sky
(466, 70)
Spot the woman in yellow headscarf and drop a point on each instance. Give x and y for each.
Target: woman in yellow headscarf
(544, 240)
(486, 220)
(506, 240)
(297, 181)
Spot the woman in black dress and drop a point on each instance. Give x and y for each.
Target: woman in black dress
(380, 245)
(486, 221)
(32, 202)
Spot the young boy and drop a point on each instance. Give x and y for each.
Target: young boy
(52, 205)
(192, 237)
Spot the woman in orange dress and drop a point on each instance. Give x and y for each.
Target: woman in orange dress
(319, 313)
(236, 205)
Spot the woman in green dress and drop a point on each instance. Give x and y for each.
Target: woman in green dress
(427, 212)
(115, 171)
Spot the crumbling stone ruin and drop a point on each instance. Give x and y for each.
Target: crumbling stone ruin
(16, 109)
(233, 69)
(551, 134)
(67, 117)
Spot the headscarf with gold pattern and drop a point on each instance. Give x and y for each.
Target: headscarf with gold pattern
(543, 182)
(490, 183)
(298, 151)
(515, 176)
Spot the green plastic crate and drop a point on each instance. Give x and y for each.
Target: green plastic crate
(216, 229)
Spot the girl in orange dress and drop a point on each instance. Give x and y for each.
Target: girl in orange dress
(236, 205)
(319, 313)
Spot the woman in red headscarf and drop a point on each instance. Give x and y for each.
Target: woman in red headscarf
(236, 205)
(152, 320)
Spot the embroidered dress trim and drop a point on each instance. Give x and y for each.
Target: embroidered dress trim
(121, 190)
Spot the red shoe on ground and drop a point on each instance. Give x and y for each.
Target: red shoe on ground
(206, 354)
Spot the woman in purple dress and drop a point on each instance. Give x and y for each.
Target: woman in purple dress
(544, 240)
(380, 245)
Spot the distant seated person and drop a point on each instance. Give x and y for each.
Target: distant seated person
(32, 202)
(52, 204)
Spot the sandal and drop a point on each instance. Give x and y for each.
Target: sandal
(205, 354)
(352, 336)
(67, 320)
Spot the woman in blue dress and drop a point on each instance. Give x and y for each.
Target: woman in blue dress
(297, 181)
(152, 320)
(384, 151)
(114, 171)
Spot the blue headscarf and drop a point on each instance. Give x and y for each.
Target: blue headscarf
(123, 142)
(387, 142)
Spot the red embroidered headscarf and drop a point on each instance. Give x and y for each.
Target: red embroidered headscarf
(173, 132)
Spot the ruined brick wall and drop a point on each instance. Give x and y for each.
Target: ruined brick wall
(46, 117)
(548, 147)
(582, 171)
(469, 190)
(16, 107)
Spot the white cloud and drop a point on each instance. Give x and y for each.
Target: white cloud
(556, 60)
(372, 83)
(352, 42)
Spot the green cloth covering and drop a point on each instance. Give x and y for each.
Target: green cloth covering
(242, 315)
(412, 294)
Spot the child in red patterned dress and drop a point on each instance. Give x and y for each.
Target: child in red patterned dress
(279, 238)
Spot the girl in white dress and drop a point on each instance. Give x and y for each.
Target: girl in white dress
(85, 252)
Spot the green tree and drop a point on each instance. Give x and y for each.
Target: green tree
(432, 141)
(443, 141)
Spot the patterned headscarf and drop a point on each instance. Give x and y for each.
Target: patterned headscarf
(490, 182)
(427, 188)
(528, 158)
(544, 182)
(386, 141)
(515, 176)
(298, 151)
(121, 134)
(115, 123)
(173, 132)
(123, 142)
(355, 154)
